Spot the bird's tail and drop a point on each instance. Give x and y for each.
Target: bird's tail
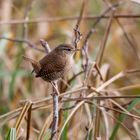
(35, 64)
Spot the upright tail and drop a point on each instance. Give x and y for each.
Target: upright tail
(36, 65)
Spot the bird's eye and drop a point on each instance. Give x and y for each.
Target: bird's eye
(68, 49)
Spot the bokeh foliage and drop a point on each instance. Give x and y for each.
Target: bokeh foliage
(54, 21)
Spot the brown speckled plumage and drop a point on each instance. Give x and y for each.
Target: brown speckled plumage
(54, 65)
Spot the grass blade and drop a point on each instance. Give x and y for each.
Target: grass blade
(122, 118)
(11, 134)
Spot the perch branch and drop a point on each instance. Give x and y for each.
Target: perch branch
(55, 110)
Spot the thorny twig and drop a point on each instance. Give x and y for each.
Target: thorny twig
(84, 45)
(77, 35)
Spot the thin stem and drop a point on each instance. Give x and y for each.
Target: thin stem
(29, 122)
(55, 111)
(67, 18)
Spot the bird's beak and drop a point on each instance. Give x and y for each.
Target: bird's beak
(77, 50)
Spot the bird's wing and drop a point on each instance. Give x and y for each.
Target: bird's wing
(50, 65)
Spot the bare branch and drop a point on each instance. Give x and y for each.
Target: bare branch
(45, 45)
(77, 35)
(103, 43)
(55, 111)
(68, 18)
(98, 20)
(31, 45)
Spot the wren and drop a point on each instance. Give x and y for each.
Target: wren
(55, 64)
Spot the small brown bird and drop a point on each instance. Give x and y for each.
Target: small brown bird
(55, 64)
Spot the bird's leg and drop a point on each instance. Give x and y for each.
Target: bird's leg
(55, 86)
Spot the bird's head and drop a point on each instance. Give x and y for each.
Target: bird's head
(66, 49)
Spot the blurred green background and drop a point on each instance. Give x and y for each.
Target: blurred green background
(53, 21)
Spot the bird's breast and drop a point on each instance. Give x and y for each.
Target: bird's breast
(68, 64)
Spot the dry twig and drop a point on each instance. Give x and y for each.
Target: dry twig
(31, 45)
(45, 45)
(67, 18)
(55, 111)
